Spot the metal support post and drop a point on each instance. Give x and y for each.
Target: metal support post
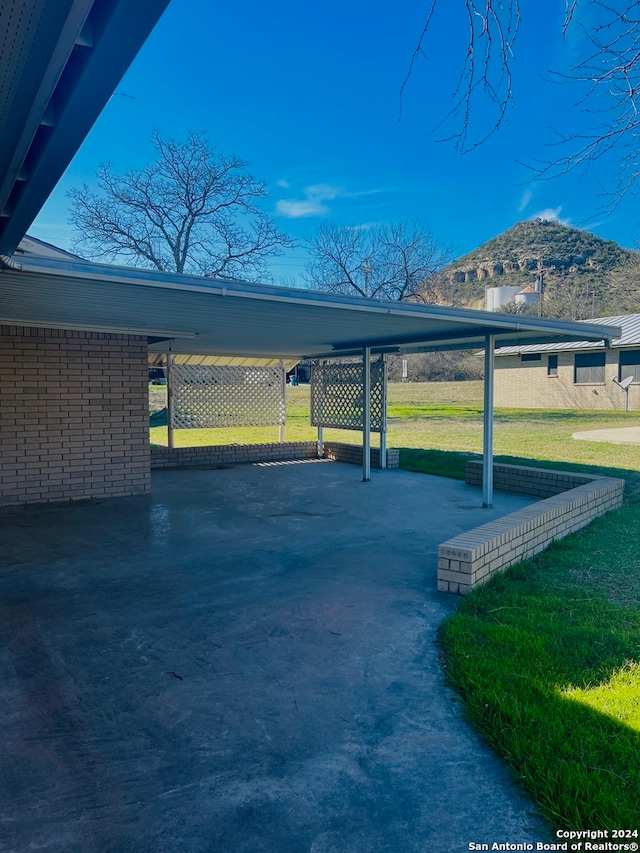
(281, 431)
(320, 382)
(487, 443)
(170, 401)
(383, 429)
(366, 426)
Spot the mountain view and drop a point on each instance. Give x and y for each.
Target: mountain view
(580, 271)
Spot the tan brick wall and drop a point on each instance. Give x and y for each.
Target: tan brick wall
(232, 454)
(74, 415)
(236, 454)
(342, 452)
(525, 480)
(525, 384)
(468, 560)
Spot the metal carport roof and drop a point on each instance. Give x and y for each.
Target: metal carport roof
(195, 315)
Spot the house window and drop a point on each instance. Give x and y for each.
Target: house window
(530, 356)
(629, 365)
(589, 368)
(552, 365)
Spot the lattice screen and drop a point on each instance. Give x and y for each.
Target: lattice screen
(206, 397)
(337, 396)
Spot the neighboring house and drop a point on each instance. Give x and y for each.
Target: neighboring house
(576, 375)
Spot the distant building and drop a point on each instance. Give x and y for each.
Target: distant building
(497, 298)
(577, 375)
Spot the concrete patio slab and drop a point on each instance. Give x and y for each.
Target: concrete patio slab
(243, 660)
(621, 435)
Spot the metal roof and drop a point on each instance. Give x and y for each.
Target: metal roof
(629, 325)
(59, 65)
(193, 315)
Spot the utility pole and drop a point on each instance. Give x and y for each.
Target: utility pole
(540, 286)
(366, 269)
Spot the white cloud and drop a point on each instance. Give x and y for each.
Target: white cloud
(552, 213)
(312, 204)
(527, 195)
(323, 192)
(293, 209)
(315, 198)
(284, 184)
(364, 226)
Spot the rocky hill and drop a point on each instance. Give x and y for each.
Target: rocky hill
(575, 265)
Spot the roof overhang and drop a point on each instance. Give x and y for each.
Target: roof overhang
(60, 63)
(191, 315)
(625, 333)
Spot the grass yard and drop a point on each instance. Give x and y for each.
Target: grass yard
(546, 656)
(445, 418)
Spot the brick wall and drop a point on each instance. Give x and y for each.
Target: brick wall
(525, 384)
(234, 454)
(468, 560)
(342, 452)
(231, 454)
(73, 415)
(523, 480)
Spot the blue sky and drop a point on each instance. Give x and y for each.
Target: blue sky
(309, 94)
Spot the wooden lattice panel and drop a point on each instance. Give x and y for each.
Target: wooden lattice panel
(206, 397)
(337, 396)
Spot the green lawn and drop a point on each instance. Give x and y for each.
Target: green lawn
(447, 416)
(546, 659)
(546, 656)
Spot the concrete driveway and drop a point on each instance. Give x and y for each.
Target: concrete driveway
(243, 660)
(620, 435)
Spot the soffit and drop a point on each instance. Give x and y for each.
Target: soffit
(60, 61)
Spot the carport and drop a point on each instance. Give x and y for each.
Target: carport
(63, 319)
(178, 314)
(237, 659)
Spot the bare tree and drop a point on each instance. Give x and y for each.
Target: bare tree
(485, 68)
(607, 81)
(623, 289)
(436, 366)
(386, 262)
(193, 210)
(574, 297)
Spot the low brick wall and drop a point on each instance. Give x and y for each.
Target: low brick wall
(468, 560)
(232, 454)
(236, 454)
(537, 482)
(340, 451)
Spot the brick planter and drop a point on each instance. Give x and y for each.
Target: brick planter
(570, 502)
